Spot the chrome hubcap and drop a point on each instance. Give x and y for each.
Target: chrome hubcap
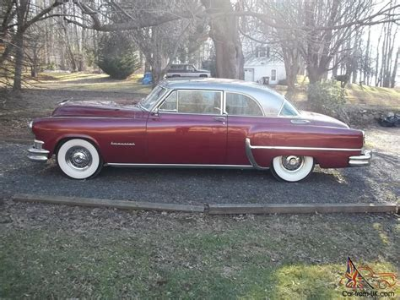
(292, 162)
(78, 158)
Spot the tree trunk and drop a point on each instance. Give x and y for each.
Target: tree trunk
(22, 8)
(394, 74)
(19, 60)
(225, 34)
(35, 63)
(314, 74)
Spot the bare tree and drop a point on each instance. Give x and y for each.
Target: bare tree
(21, 15)
(321, 29)
(225, 35)
(394, 73)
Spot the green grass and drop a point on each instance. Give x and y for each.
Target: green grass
(373, 96)
(212, 258)
(368, 96)
(83, 81)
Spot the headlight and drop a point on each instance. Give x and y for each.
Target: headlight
(30, 124)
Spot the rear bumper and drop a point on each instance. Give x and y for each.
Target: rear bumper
(37, 153)
(361, 160)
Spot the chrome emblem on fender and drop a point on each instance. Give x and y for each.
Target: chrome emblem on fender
(122, 144)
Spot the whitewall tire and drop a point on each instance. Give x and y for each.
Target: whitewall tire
(79, 159)
(292, 168)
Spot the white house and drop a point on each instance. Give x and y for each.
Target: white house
(397, 79)
(262, 67)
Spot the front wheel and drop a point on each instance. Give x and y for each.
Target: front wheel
(79, 159)
(292, 168)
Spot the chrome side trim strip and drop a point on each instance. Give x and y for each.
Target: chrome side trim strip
(250, 156)
(180, 166)
(300, 148)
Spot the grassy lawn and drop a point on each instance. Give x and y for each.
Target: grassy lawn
(83, 81)
(373, 96)
(181, 257)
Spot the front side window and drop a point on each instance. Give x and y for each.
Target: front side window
(170, 103)
(148, 102)
(241, 105)
(193, 102)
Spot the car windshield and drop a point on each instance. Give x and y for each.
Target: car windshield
(148, 102)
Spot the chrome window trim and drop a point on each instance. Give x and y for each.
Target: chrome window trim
(246, 95)
(181, 113)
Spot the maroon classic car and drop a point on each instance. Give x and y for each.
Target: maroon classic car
(211, 123)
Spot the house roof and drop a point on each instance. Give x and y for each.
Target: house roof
(252, 61)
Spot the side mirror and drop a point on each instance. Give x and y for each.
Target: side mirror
(155, 112)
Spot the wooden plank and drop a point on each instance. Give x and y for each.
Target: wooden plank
(120, 204)
(215, 209)
(17, 141)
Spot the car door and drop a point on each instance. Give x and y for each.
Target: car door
(188, 128)
(244, 113)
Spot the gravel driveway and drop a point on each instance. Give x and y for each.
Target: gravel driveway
(378, 183)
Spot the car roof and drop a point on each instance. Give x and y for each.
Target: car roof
(219, 84)
(270, 100)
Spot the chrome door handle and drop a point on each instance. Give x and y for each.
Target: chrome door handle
(299, 121)
(220, 119)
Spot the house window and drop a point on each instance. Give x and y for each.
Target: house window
(273, 75)
(263, 52)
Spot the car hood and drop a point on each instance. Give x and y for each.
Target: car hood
(96, 109)
(322, 120)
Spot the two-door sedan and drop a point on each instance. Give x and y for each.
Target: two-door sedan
(213, 123)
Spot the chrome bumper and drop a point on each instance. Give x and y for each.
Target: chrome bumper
(37, 153)
(361, 160)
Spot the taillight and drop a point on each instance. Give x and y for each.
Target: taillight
(363, 133)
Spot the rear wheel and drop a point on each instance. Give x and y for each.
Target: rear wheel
(79, 159)
(292, 168)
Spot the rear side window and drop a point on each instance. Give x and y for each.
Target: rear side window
(193, 102)
(241, 105)
(288, 110)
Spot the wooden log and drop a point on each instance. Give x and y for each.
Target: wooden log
(322, 208)
(216, 209)
(120, 204)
